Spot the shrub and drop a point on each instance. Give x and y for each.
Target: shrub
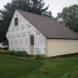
(21, 53)
(5, 52)
(15, 53)
(39, 57)
(12, 52)
(2, 51)
(24, 54)
(8, 52)
(18, 53)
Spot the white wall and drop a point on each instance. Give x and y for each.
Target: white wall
(18, 36)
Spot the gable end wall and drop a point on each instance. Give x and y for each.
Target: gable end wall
(19, 36)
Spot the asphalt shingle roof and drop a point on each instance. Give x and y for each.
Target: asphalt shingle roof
(49, 27)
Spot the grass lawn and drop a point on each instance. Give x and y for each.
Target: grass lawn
(60, 67)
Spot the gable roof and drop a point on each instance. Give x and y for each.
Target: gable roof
(49, 27)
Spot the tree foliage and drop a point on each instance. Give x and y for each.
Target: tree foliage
(47, 14)
(6, 14)
(69, 17)
(37, 6)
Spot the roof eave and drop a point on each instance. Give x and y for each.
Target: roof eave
(63, 38)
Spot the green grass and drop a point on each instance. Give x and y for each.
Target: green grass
(60, 67)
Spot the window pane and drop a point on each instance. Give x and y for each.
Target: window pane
(16, 21)
(32, 43)
(32, 40)
(32, 37)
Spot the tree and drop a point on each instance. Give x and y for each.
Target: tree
(33, 6)
(37, 6)
(47, 14)
(69, 17)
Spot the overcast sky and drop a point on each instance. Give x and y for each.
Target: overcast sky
(54, 5)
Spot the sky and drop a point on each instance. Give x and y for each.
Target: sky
(55, 6)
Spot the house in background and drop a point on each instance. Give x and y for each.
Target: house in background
(40, 35)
